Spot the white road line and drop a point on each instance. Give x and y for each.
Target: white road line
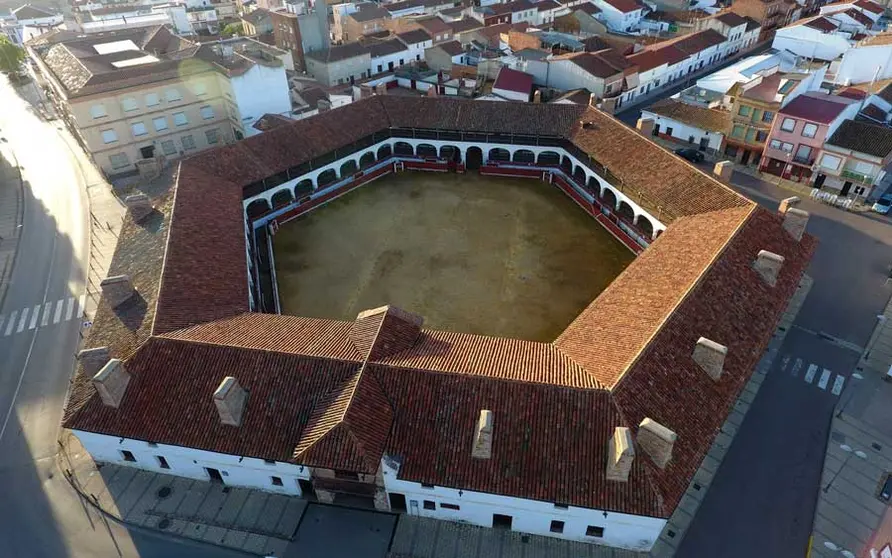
(46, 314)
(825, 377)
(35, 313)
(22, 321)
(11, 323)
(58, 315)
(81, 302)
(797, 366)
(837, 385)
(810, 375)
(70, 310)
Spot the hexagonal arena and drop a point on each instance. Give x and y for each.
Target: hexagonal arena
(508, 257)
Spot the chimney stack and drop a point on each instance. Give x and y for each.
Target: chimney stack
(230, 399)
(483, 436)
(537, 96)
(657, 441)
(111, 382)
(92, 360)
(795, 221)
(116, 290)
(768, 265)
(710, 356)
(620, 455)
(138, 206)
(645, 126)
(788, 203)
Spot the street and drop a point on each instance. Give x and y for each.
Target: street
(40, 319)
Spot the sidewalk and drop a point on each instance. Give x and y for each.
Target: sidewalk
(852, 515)
(11, 211)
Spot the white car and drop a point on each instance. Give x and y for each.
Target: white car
(883, 204)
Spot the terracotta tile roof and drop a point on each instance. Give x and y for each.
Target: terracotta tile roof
(859, 17)
(452, 48)
(669, 54)
(546, 5)
(588, 8)
(874, 112)
(821, 23)
(852, 93)
(338, 53)
(590, 63)
(464, 24)
(414, 37)
(731, 19)
(649, 59)
(817, 107)
(711, 120)
(513, 80)
(870, 6)
(699, 41)
(863, 137)
(369, 11)
(433, 25)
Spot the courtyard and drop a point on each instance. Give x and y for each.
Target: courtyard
(507, 257)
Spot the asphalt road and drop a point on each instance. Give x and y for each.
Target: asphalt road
(41, 516)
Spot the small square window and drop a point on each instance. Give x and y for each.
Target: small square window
(160, 123)
(269, 461)
(138, 129)
(129, 104)
(429, 505)
(450, 507)
(98, 111)
(207, 112)
(188, 142)
(211, 136)
(199, 89)
(119, 160)
(152, 444)
(168, 147)
(128, 456)
(594, 531)
(424, 485)
(556, 526)
(277, 481)
(788, 125)
(162, 462)
(109, 136)
(809, 130)
(152, 100)
(562, 506)
(172, 95)
(347, 475)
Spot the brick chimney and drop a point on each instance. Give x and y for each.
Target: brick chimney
(710, 356)
(768, 265)
(788, 203)
(92, 360)
(230, 399)
(111, 382)
(116, 290)
(620, 455)
(138, 206)
(657, 441)
(795, 221)
(483, 436)
(537, 96)
(645, 126)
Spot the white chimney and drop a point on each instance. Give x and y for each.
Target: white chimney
(111, 382)
(710, 356)
(483, 436)
(768, 265)
(230, 400)
(657, 441)
(620, 455)
(795, 221)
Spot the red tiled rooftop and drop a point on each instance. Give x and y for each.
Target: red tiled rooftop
(817, 107)
(513, 80)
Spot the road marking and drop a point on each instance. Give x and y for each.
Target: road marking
(837, 385)
(34, 315)
(46, 314)
(81, 302)
(70, 310)
(797, 366)
(825, 377)
(810, 375)
(11, 323)
(58, 315)
(22, 321)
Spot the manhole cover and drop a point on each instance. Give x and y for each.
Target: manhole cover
(164, 523)
(164, 492)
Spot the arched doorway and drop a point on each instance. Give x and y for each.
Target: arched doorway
(499, 154)
(257, 208)
(567, 165)
(474, 158)
(282, 197)
(646, 226)
(524, 156)
(426, 150)
(326, 177)
(549, 159)
(367, 160)
(404, 149)
(626, 212)
(384, 151)
(450, 153)
(303, 188)
(579, 175)
(593, 187)
(609, 198)
(348, 168)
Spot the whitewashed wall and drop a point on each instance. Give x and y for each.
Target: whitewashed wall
(683, 132)
(810, 43)
(863, 64)
(259, 91)
(187, 462)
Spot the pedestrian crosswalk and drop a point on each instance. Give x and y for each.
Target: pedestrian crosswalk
(813, 375)
(42, 315)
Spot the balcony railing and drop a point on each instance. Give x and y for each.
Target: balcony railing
(857, 176)
(804, 160)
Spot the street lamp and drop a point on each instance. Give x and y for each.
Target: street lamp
(848, 449)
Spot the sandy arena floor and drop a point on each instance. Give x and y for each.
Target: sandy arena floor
(507, 257)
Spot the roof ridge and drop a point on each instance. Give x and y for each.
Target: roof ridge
(338, 404)
(167, 338)
(598, 386)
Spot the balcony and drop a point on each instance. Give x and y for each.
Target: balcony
(857, 176)
(807, 161)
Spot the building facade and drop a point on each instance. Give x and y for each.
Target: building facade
(854, 160)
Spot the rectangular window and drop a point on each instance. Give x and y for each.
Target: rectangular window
(737, 131)
(594, 531)
(556, 526)
(803, 153)
(775, 144)
(138, 129)
(562, 506)
(744, 110)
(98, 111)
(423, 485)
(788, 147)
(129, 104)
(347, 475)
(830, 162)
(767, 116)
(172, 95)
(179, 119)
(160, 123)
(750, 135)
(277, 481)
(152, 100)
(188, 143)
(109, 136)
(119, 160)
(128, 456)
(788, 125)
(212, 137)
(450, 507)
(199, 89)
(269, 461)
(162, 462)
(168, 147)
(207, 112)
(761, 136)
(429, 505)
(809, 130)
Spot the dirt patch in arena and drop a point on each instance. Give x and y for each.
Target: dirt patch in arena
(508, 257)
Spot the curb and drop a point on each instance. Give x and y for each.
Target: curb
(20, 218)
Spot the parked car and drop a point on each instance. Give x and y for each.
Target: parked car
(883, 204)
(690, 154)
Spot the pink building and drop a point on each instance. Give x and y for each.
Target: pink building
(799, 131)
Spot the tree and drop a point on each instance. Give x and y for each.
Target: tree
(233, 29)
(11, 56)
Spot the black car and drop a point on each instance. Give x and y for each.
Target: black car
(689, 154)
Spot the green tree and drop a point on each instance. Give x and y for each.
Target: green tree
(233, 29)
(11, 56)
